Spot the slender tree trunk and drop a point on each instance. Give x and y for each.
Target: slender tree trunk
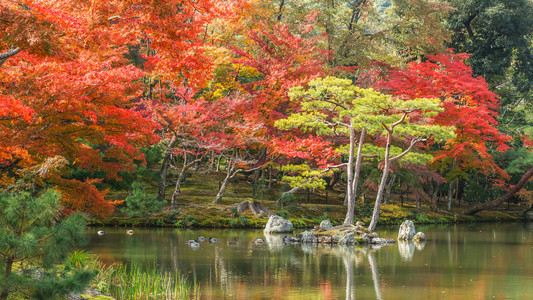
(164, 169)
(435, 195)
(381, 188)
(450, 194)
(389, 188)
(352, 182)
(482, 206)
(387, 161)
(177, 189)
(349, 174)
(230, 173)
(218, 162)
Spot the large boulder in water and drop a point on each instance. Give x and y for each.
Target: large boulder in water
(407, 231)
(277, 224)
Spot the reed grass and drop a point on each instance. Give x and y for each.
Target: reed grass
(136, 282)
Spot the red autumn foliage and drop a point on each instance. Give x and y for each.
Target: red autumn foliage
(469, 106)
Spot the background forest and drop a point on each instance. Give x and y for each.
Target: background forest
(121, 104)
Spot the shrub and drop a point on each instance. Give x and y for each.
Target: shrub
(244, 221)
(283, 213)
(139, 203)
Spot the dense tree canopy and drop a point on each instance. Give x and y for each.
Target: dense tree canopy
(96, 83)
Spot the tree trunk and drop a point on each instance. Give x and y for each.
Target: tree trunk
(381, 188)
(435, 195)
(450, 195)
(177, 189)
(218, 162)
(164, 169)
(352, 182)
(9, 267)
(482, 206)
(230, 173)
(389, 188)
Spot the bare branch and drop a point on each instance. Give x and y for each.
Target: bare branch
(11, 52)
(413, 142)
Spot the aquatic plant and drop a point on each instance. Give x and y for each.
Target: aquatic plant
(135, 282)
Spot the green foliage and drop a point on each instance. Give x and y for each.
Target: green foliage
(186, 221)
(244, 221)
(422, 219)
(304, 177)
(33, 237)
(333, 107)
(287, 199)
(234, 211)
(283, 213)
(261, 189)
(134, 282)
(140, 203)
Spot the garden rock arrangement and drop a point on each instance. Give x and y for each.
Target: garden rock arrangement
(277, 224)
(343, 235)
(407, 232)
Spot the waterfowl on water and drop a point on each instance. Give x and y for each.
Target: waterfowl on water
(213, 240)
(101, 232)
(201, 238)
(232, 243)
(193, 243)
(259, 241)
(129, 232)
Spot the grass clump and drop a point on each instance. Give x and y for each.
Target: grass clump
(134, 282)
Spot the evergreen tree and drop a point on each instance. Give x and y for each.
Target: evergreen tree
(33, 240)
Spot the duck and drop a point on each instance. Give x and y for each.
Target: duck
(129, 232)
(232, 243)
(201, 238)
(213, 240)
(193, 243)
(259, 241)
(101, 232)
(288, 239)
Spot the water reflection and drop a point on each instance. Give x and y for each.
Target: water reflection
(459, 261)
(353, 257)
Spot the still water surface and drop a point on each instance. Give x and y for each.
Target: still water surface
(458, 262)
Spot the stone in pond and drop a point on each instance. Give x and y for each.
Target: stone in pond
(277, 224)
(308, 237)
(419, 236)
(407, 231)
(348, 239)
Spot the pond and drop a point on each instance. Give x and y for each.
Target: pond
(476, 261)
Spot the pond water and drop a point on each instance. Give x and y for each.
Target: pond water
(474, 261)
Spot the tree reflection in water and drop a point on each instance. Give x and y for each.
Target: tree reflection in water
(352, 257)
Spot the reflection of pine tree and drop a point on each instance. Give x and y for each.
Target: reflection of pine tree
(33, 241)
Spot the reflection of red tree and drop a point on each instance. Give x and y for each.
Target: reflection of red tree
(327, 290)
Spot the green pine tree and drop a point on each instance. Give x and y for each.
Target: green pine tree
(34, 240)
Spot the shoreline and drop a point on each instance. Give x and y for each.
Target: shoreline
(198, 216)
